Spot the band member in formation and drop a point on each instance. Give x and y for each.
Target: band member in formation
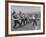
(23, 20)
(16, 21)
(22, 16)
(34, 20)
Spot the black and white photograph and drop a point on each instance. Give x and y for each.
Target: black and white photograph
(25, 18)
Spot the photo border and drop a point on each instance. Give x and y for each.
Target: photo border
(6, 17)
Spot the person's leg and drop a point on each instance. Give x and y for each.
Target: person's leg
(19, 23)
(35, 22)
(14, 24)
(24, 21)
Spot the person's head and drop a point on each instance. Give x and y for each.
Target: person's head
(14, 12)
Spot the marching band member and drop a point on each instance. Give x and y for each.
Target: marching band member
(22, 16)
(15, 20)
(34, 20)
